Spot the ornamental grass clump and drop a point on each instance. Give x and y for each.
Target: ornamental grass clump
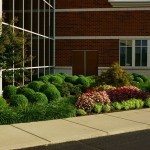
(126, 93)
(87, 100)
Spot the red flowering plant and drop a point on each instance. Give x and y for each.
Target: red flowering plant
(87, 100)
(126, 93)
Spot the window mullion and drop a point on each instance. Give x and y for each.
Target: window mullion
(133, 53)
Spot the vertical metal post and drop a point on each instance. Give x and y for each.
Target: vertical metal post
(13, 31)
(54, 35)
(38, 33)
(23, 45)
(44, 35)
(31, 35)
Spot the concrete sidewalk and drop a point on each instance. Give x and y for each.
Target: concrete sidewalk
(84, 133)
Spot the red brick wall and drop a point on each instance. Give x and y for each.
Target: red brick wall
(64, 4)
(107, 51)
(123, 23)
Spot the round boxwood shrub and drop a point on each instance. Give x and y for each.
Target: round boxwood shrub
(3, 102)
(76, 90)
(83, 81)
(40, 98)
(9, 91)
(18, 100)
(27, 92)
(45, 78)
(64, 89)
(71, 79)
(35, 85)
(45, 86)
(52, 93)
(56, 79)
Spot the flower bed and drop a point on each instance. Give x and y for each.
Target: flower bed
(62, 96)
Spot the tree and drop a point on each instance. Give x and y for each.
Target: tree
(13, 51)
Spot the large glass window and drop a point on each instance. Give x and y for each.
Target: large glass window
(133, 52)
(141, 53)
(126, 53)
(35, 19)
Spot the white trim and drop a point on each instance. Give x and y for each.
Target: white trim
(133, 52)
(38, 34)
(100, 37)
(102, 9)
(148, 54)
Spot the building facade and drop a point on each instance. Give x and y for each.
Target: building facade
(96, 33)
(81, 36)
(34, 18)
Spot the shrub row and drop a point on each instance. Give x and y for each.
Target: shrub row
(87, 100)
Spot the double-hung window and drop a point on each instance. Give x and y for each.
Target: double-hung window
(134, 53)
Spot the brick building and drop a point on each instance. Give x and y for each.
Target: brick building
(93, 34)
(82, 36)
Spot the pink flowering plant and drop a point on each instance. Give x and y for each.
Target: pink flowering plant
(87, 100)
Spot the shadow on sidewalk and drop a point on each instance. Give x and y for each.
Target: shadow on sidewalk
(139, 140)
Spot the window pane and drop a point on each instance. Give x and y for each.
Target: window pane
(122, 56)
(144, 42)
(122, 42)
(138, 43)
(137, 56)
(129, 43)
(144, 56)
(129, 56)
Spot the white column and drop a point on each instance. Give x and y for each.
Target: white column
(148, 54)
(0, 82)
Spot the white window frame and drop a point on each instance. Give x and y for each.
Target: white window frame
(133, 53)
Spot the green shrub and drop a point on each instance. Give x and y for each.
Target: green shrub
(45, 78)
(8, 116)
(71, 79)
(147, 103)
(83, 81)
(60, 109)
(62, 75)
(81, 112)
(117, 105)
(18, 100)
(3, 102)
(139, 78)
(52, 93)
(40, 98)
(115, 76)
(125, 105)
(9, 91)
(45, 86)
(32, 112)
(98, 108)
(145, 86)
(27, 92)
(64, 89)
(106, 108)
(76, 90)
(56, 79)
(35, 85)
(91, 80)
